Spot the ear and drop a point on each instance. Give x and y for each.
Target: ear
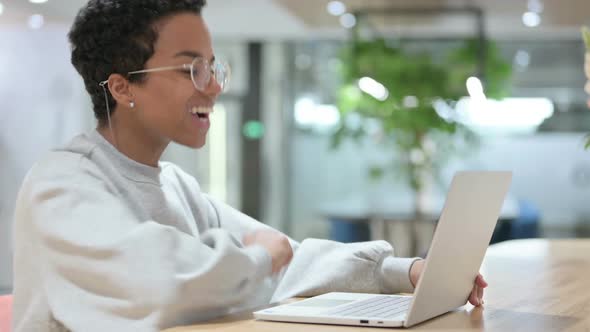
(120, 89)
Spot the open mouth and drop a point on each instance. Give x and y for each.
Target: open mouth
(201, 112)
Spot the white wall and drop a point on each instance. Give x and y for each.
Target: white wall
(42, 105)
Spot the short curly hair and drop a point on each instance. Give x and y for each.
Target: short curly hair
(118, 36)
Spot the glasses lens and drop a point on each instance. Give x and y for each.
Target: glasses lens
(222, 73)
(201, 72)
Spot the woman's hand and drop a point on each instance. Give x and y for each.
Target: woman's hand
(277, 245)
(476, 296)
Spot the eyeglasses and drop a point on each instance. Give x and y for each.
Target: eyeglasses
(201, 71)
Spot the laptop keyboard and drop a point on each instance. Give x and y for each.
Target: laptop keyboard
(374, 307)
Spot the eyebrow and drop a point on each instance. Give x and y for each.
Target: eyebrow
(192, 54)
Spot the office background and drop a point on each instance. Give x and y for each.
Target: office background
(269, 151)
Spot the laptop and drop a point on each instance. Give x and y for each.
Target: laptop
(464, 230)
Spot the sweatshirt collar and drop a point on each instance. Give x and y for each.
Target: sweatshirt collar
(129, 168)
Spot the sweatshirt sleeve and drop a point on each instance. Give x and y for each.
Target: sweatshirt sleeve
(322, 266)
(102, 269)
(235, 222)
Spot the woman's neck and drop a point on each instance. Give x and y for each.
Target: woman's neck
(141, 148)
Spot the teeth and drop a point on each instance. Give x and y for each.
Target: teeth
(201, 110)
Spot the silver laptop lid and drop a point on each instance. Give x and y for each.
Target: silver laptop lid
(461, 239)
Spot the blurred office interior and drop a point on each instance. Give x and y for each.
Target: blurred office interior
(289, 147)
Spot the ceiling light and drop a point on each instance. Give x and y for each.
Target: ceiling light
(1, 8)
(36, 21)
(522, 59)
(475, 89)
(336, 8)
(510, 114)
(348, 20)
(38, 1)
(410, 102)
(373, 88)
(531, 19)
(310, 114)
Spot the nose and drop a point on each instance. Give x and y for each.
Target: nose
(213, 89)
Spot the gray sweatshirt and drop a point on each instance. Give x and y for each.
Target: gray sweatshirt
(103, 243)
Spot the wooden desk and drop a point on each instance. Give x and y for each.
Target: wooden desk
(535, 285)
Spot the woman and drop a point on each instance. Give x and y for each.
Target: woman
(108, 238)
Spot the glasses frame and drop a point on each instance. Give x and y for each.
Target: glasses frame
(212, 72)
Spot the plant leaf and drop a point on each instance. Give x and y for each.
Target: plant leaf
(586, 36)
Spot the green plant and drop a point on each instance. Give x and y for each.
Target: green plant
(586, 37)
(422, 139)
(462, 63)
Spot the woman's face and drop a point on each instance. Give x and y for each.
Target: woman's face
(165, 99)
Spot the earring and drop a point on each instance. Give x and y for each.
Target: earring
(132, 104)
